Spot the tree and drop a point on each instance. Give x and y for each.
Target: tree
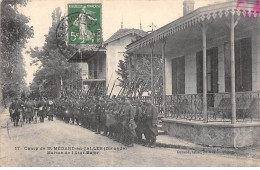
(55, 73)
(131, 70)
(122, 71)
(14, 35)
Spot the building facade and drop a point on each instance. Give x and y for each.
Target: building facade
(211, 70)
(99, 67)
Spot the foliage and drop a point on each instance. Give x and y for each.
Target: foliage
(55, 73)
(14, 35)
(138, 69)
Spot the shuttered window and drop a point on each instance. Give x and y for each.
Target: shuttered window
(178, 75)
(243, 65)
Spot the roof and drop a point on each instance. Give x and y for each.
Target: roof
(123, 32)
(195, 17)
(86, 54)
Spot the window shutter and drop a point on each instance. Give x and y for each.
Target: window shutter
(199, 64)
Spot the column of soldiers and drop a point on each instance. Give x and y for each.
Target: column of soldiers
(29, 110)
(120, 119)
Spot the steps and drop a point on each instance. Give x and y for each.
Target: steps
(159, 126)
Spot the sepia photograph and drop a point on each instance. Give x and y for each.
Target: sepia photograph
(130, 83)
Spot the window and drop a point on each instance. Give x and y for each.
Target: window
(212, 70)
(90, 69)
(95, 69)
(243, 65)
(178, 75)
(100, 64)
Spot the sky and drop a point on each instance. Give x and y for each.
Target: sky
(131, 12)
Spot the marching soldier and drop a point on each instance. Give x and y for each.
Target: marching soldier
(41, 106)
(28, 110)
(50, 109)
(15, 110)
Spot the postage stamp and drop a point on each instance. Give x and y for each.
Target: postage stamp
(80, 28)
(85, 26)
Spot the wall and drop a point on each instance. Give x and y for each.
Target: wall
(214, 134)
(256, 60)
(115, 52)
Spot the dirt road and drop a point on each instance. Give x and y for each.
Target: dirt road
(59, 144)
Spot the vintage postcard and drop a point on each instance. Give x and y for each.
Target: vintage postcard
(130, 83)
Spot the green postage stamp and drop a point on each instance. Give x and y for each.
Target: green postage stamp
(85, 26)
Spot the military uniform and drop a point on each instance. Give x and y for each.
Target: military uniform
(41, 106)
(50, 109)
(128, 124)
(139, 119)
(151, 121)
(16, 106)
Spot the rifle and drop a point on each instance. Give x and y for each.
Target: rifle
(143, 87)
(130, 91)
(112, 89)
(109, 81)
(123, 88)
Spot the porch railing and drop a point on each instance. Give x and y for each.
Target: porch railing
(189, 106)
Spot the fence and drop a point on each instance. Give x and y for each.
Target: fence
(189, 106)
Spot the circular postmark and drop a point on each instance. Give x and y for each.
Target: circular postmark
(72, 36)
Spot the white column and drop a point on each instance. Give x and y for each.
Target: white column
(164, 85)
(152, 84)
(204, 49)
(233, 76)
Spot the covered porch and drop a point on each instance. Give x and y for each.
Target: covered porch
(211, 73)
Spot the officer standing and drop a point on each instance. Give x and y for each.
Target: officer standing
(151, 122)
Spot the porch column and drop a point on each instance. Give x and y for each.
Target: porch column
(152, 84)
(164, 84)
(135, 75)
(204, 49)
(233, 74)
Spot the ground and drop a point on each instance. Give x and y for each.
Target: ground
(16, 142)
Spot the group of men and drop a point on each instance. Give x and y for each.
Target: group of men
(121, 118)
(27, 110)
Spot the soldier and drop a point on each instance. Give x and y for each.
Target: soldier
(93, 112)
(120, 128)
(115, 120)
(50, 109)
(104, 115)
(98, 111)
(35, 109)
(139, 119)
(128, 124)
(15, 107)
(41, 106)
(28, 110)
(81, 111)
(151, 121)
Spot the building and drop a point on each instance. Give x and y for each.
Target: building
(211, 73)
(99, 68)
